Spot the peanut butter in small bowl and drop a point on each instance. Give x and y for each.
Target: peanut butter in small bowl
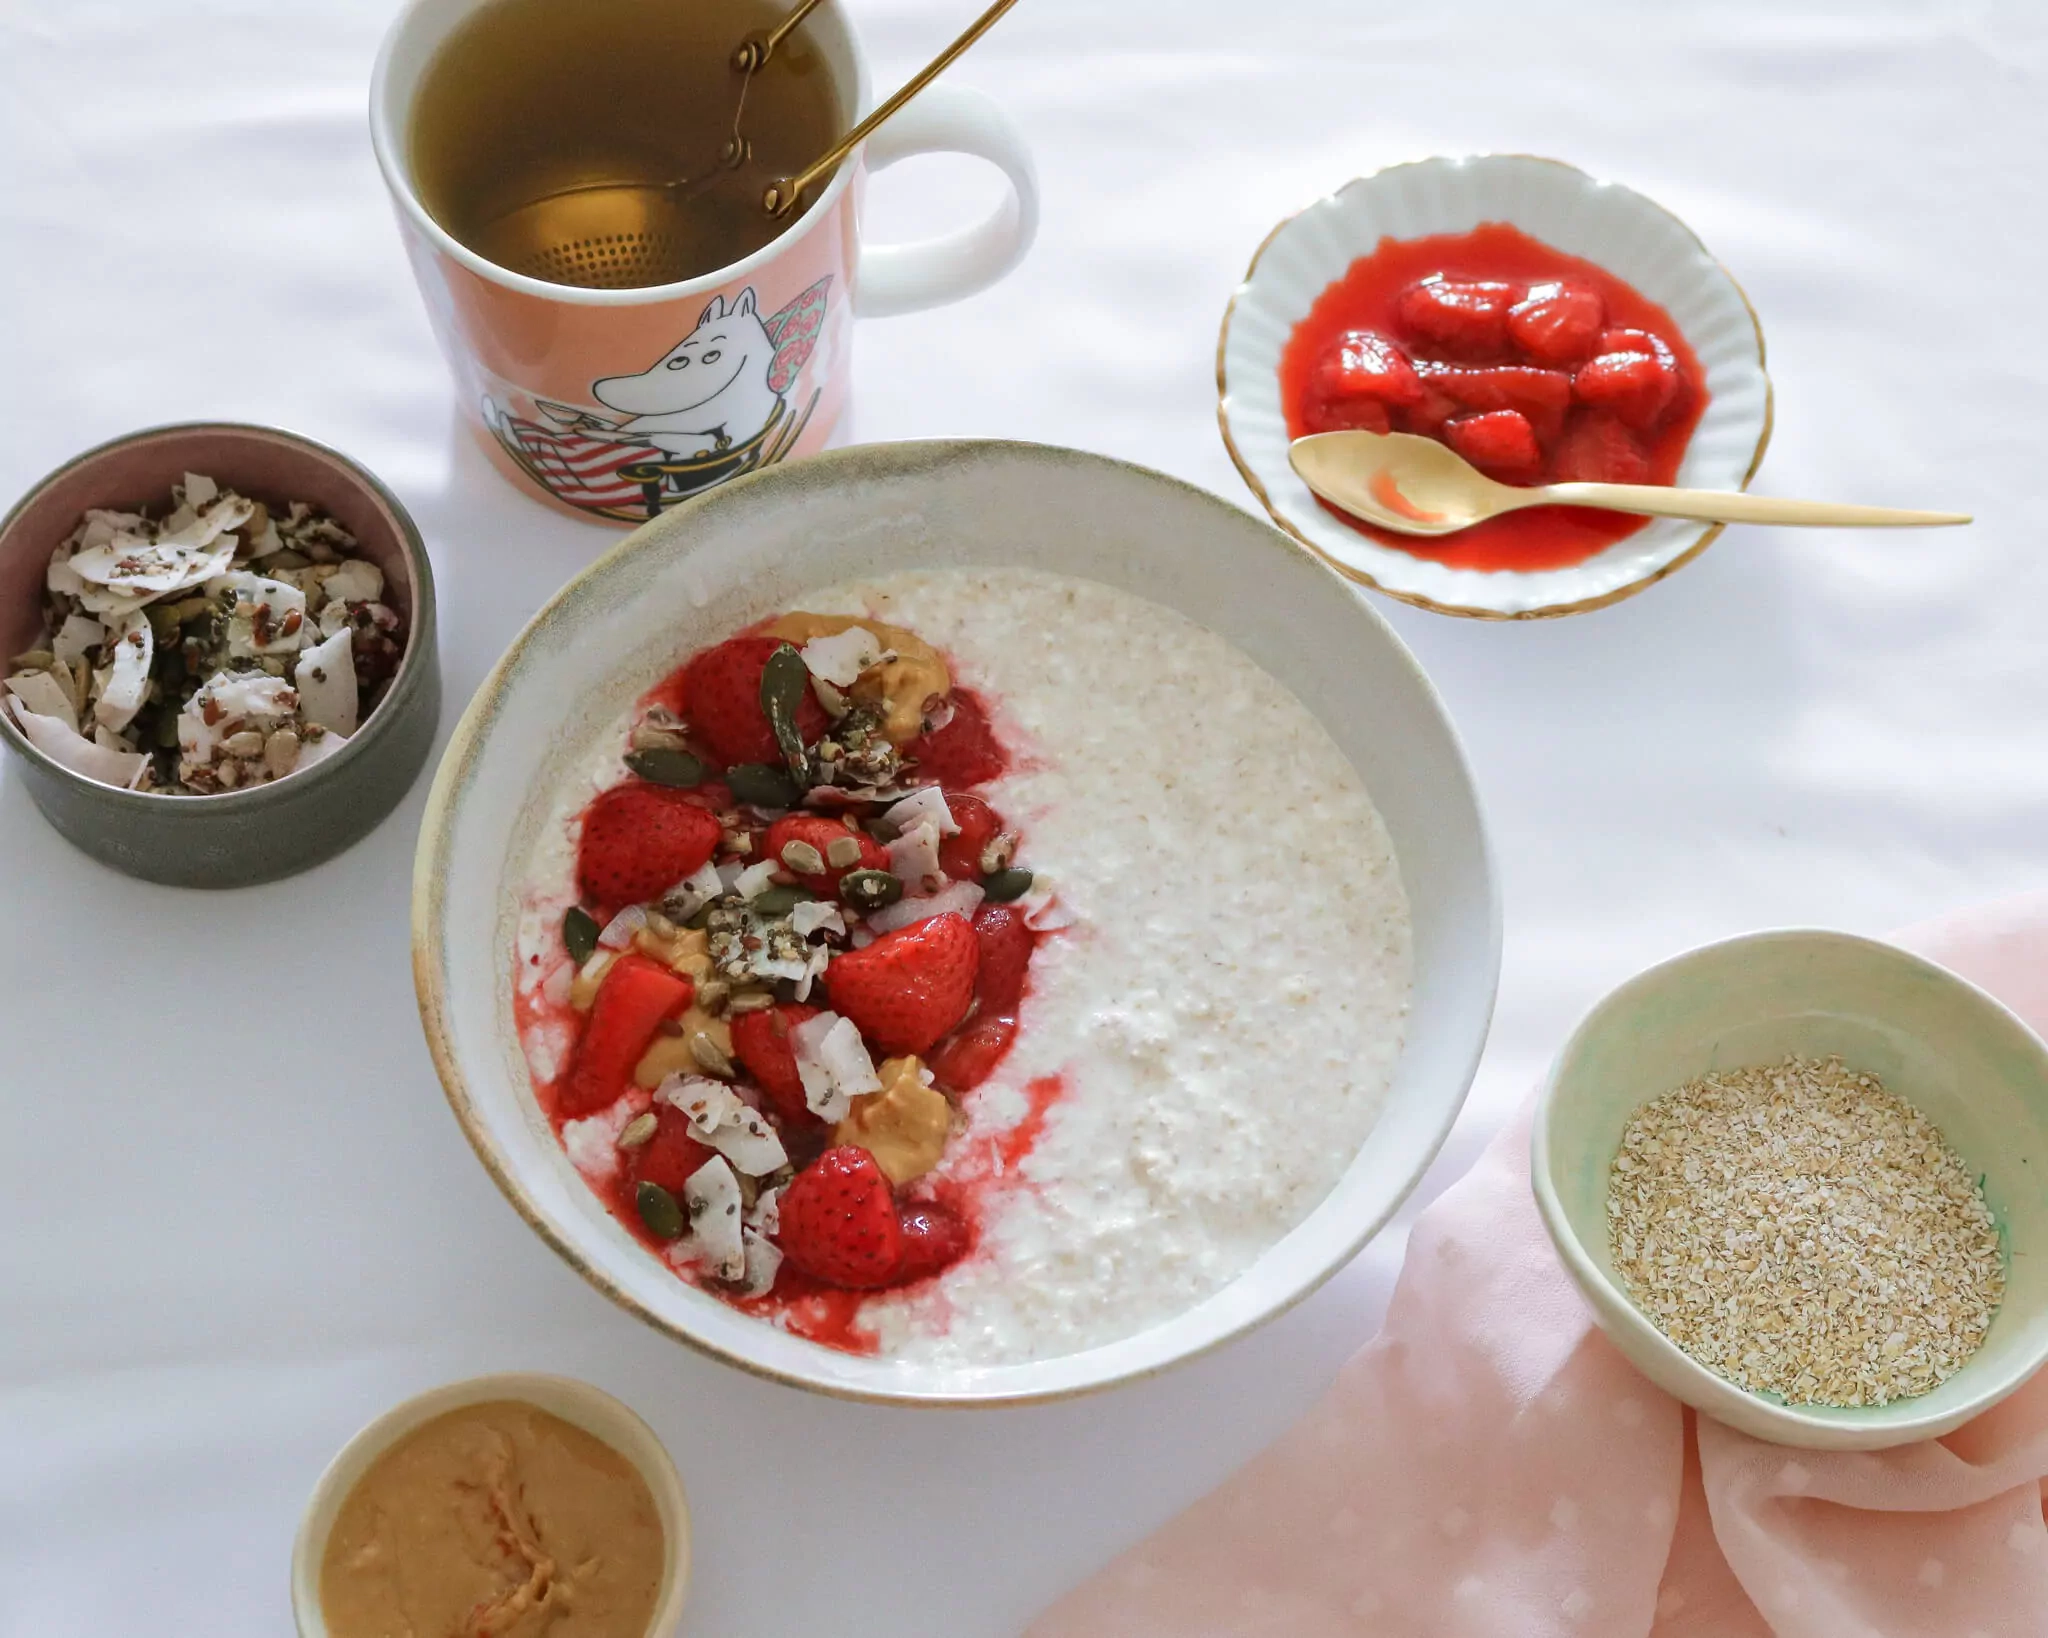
(478, 1512)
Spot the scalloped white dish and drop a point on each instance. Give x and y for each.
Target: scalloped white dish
(1630, 236)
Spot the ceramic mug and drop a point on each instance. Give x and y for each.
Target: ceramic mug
(571, 389)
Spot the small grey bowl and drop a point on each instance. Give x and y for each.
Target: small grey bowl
(238, 838)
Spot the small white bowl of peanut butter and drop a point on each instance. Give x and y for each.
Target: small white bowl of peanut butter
(496, 1507)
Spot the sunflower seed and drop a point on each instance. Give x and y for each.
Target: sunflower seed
(806, 860)
(840, 852)
(750, 1001)
(638, 1130)
(710, 1056)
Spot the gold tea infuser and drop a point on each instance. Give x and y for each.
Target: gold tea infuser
(625, 233)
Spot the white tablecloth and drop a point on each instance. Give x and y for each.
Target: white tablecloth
(231, 1230)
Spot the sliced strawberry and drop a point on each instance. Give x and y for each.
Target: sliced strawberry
(933, 1239)
(671, 1157)
(636, 995)
(822, 836)
(962, 753)
(722, 699)
(1467, 318)
(760, 1040)
(905, 990)
(960, 856)
(1558, 323)
(1541, 397)
(1361, 364)
(1006, 945)
(971, 1053)
(1500, 443)
(1634, 387)
(1623, 340)
(1345, 415)
(838, 1221)
(1596, 448)
(638, 841)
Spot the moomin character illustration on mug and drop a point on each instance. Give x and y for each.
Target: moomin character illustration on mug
(713, 406)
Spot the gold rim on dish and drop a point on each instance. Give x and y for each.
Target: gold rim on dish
(1709, 532)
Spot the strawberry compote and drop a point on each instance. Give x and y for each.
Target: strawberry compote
(795, 938)
(1536, 366)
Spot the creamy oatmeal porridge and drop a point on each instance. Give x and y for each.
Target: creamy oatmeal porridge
(1073, 983)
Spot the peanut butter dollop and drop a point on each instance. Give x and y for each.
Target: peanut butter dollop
(495, 1521)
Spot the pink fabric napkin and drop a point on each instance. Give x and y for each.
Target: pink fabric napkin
(1490, 1467)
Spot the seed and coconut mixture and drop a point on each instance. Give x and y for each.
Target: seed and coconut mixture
(1217, 995)
(1805, 1233)
(219, 646)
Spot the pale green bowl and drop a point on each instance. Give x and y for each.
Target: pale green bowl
(1939, 1042)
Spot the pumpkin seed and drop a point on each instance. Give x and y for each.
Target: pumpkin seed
(760, 786)
(579, 934)
(41, 659)
(804, 859)
(785, 680)
(842, 851)
(663, 766)
(1005, 885)
(659, 1211)
(870, 889)
(779, 901)
(638, 1130)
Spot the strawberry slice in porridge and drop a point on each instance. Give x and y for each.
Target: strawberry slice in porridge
(968, 965)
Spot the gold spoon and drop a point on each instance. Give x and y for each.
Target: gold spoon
(1418, 486)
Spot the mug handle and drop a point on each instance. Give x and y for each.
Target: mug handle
(932, 272)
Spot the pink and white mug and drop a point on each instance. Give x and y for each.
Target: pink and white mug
(587, 398)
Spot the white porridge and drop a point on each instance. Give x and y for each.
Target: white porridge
(1210, 1037)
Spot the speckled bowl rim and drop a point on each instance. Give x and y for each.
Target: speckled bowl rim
(1709, 532)
(381, 1432)
(222, 804)
(455, 771)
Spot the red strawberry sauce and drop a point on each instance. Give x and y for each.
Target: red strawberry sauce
(1368, 298)
(981, 1168)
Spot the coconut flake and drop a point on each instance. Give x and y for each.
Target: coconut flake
(703, 1101)
(925, 805)
(711, 1195)
(77, 637)
(259, 602)
(60, 578)
(61, 742)
(814, 915)
(963, 898)
(619, 931)
(127, 677)
(843, 656)
(355, 580)
(42, 693)
(326, 676)
(749, 1142)
(1041, 908)
(832, 1062)
(765, 1215)
(693, 892)
(914, 856)
(226, 696)
(755, 880)
(131, 565)
(763, 1263)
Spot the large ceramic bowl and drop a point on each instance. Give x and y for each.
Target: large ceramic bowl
(1939, 1042)
(1630, 236)
(753, 547)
